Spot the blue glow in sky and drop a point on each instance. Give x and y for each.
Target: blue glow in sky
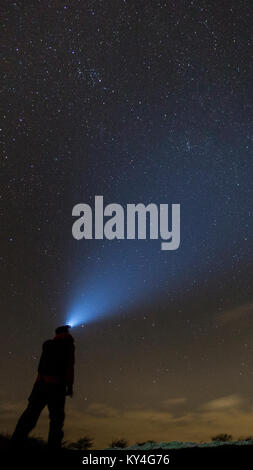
(111, 277)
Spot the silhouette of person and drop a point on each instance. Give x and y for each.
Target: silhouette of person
(54, 381)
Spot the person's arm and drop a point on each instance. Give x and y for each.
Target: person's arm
(70, 369)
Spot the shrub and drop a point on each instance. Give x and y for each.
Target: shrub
(122, 443)
(146, 442)
(222, 437)
(84, 443)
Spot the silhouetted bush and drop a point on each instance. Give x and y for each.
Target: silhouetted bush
(122, 443)
(222, 437)
(84, 443)
(248, 438)
(146, 442)
(4, 441)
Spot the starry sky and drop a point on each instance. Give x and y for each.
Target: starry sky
(138, 101)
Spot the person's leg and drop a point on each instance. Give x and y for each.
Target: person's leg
(29, 418)
(56, 403)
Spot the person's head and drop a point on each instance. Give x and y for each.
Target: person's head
(62, 329)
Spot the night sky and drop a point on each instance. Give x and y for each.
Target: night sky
(138, 101)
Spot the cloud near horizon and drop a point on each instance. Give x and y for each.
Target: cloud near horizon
(229, 401)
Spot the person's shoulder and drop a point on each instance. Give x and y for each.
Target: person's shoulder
(47, 343)
(69, 338)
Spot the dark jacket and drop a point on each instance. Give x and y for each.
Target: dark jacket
(57, 360)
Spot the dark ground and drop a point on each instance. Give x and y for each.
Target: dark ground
(37, 455)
